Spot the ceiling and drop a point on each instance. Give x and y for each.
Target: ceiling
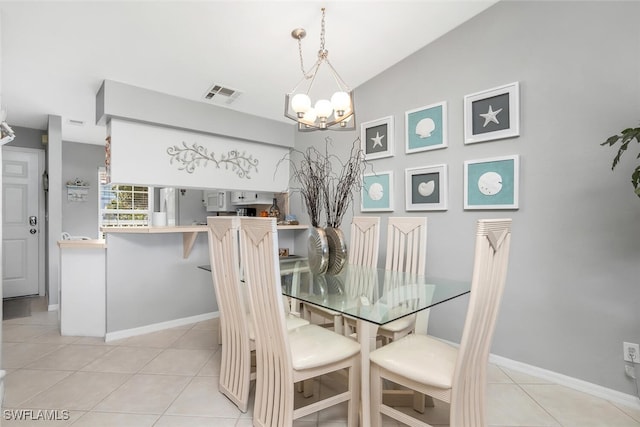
(55, 55)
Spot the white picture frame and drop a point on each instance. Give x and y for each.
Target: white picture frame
(492, 183)
(426, 128)
(377, 138)
(377, 192)
(492, 114)
(426, 188)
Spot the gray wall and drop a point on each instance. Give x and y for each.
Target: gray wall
(572, 293)
(54, 207)
(27, 138)
(157, 284)
(81, 161)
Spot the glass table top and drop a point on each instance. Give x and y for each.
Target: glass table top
(375, 295)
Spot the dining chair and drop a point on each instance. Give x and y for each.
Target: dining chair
(406, 252)
(237, 345)
(237, 334)
(363, 251)
(364, 247)
(456, 375)
(283, 357)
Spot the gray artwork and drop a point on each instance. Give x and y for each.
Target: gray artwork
(490, 114)
(425, 188)
(377, 139)
(188, 157)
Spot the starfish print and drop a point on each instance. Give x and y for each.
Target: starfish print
(377, 140)
(490, 116)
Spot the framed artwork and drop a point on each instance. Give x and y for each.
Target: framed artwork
(377, 192)
(492, 114)
(491, 183)
(426, 128)
(426, 188)
(376, 138)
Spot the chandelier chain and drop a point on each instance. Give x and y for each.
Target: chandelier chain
(322, 53)
(322, 49)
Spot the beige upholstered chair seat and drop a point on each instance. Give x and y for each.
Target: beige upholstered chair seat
(407, 357)
(313, 346)
(402, 324)
(293, 322)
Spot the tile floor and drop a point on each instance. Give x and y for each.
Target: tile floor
(169, 378)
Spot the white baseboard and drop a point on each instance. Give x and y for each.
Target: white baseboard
(53, 307)
(573, 383)
(126, 333)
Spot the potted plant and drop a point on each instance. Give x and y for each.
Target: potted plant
(626, 136)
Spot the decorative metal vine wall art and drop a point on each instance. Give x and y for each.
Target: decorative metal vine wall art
(189, 157)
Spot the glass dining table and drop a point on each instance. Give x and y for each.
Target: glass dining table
(371, 296)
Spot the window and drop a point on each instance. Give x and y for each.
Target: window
(123, 205)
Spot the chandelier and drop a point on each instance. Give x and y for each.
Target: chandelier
(337, 113)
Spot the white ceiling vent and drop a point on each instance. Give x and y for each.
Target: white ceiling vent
(218, 94)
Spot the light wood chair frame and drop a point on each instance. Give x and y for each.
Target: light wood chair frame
(407, 252)
(467, 391)
(276, 376)
(237, 345)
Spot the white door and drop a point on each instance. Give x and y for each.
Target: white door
(21, 224)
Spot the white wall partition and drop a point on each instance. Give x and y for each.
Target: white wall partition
(159, 156)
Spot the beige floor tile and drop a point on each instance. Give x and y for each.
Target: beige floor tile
(509, 405)
(208, 324)
(198, 338)
(53, 336)
(34, 417)
(176, 361)
(181, 421)
(212, 367)
(78, 391)
(36, 318)
(496, 375)
(24, 333)
(146, 394)
(18, 355)
(201, 398)
(123, 359)
(97, 341)
(245, 422)
(107, 419)
(522, 378)
(70, 357)
(435, 415)
(160, 339)
(23, 384)
(632, 412)
(573, 408)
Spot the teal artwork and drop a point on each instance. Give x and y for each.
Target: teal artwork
(492, 183)
(426, 128)
(376, 192)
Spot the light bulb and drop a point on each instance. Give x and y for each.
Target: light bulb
(323, 108)
(310, 115)
(300, 103)
(341, 103)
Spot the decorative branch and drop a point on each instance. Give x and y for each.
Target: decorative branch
(320, 185)
(310, 174)
(338, 189)
(190, 157)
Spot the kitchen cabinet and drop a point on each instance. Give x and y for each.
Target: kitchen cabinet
(251, 198)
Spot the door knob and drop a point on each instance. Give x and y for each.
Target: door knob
(33, 231)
